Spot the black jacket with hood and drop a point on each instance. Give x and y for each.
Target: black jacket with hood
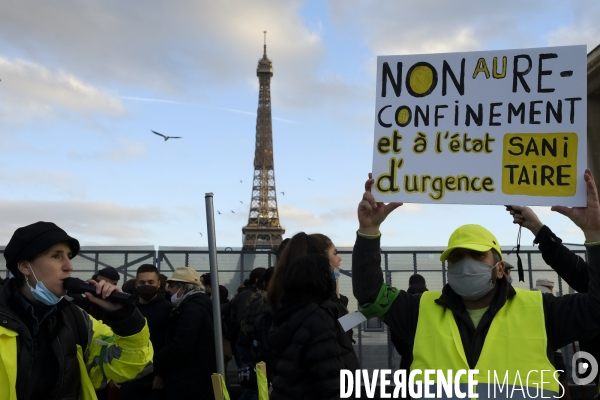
(309, 349)
(567, 318)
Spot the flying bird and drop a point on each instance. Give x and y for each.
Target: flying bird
(200, 234)
(233, 212)
(166, 137)
(310, 179)
(282, 193)
(219, 212)
(241, 202)
(241, 181)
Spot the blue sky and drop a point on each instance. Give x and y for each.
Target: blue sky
(82, 84)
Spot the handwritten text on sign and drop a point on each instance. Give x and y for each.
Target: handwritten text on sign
(500, 127)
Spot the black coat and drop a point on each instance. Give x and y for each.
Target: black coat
(236, 310)
(47, 365)
(573, 269)
(157, 314)
(567, 318)
(309, 348)
(188, 358)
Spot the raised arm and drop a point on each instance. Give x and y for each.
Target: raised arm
(573, 317)
(367, 277)
(398, 309)
(568, 265)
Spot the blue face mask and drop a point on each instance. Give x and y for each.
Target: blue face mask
(41, 293)
(336, 274)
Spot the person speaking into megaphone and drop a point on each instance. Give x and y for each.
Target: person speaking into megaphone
(56, 348)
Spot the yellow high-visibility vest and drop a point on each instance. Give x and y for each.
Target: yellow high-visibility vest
(514, 351)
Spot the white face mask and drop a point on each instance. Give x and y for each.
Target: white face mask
(174, 299)
(470, 279)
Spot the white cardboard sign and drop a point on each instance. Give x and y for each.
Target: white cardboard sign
(487, 127)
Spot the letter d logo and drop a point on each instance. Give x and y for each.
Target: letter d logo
(583, 367)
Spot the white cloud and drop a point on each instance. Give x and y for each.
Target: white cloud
(127, 150)
(50, 181)
(177, 49)
(89, 222)
(410, 208)
(301, 219)
(124, 150)
(584, 28)
(32, 91)
(430, 26)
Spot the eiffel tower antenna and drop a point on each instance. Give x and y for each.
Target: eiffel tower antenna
(263, 232)
(265, 45)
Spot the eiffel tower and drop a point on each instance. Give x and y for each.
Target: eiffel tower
(263, 232)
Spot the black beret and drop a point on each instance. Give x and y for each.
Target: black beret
(29, 241)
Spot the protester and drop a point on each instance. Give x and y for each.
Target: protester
(223, 295)
(162, 289)
(129, 286)
(51, 348)
(156, 309)
(109, 274)
(188, 358)
(205, 280)
(507, 270)
(300, 245)
(310, 346)
(416, 284)
(262, 324)
(236, 313)
(242, 307)
(480, 301)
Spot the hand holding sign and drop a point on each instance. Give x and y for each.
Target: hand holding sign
(371, 213)
(587, 218)
(526, 218)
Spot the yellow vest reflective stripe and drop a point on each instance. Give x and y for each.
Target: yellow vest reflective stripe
(515, 345)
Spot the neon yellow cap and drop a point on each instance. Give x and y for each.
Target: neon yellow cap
(472, 237)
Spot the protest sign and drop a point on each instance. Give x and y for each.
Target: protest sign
(489, 127)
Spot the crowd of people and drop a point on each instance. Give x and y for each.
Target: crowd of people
(57, 344)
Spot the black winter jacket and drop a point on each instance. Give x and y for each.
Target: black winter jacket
(236, 312)
(567, 318)
(47, 366)
(188, 358)
(573, 269)
(309, 347)
(568, 265)
(157, 314)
